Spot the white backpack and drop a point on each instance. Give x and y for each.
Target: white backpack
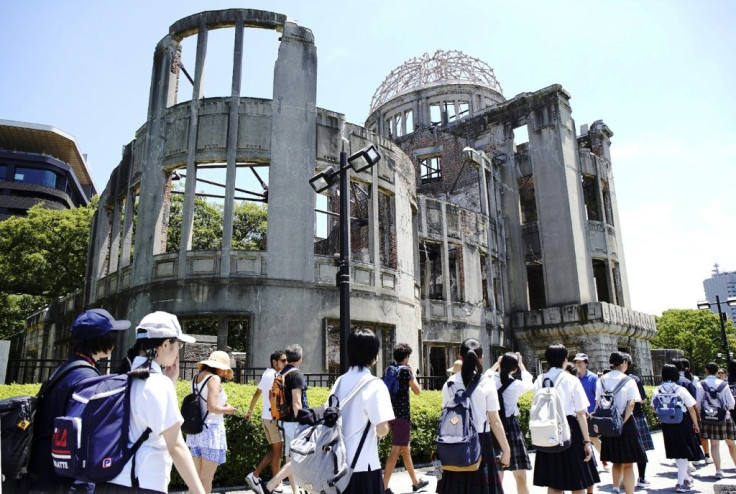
(547, 420)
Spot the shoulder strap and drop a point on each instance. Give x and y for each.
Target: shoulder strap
(504, 387)
(287, 372)
(360, 445)
(361, 384)
(620, 385)
(558, 378)
(62, 371)
(199, 396)
(722, 386)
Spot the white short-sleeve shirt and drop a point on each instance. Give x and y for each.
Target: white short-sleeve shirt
(669, 387)
(372, 403)
(483, 400)
(265, 386)
(511, 394)
(153, 404)
(570, 390)
(713, 382)
(630, 391)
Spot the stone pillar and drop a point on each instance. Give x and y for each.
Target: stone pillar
(293, 153)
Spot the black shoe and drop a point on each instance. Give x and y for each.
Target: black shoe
(388, 491)
(264, 486)
(419, 485)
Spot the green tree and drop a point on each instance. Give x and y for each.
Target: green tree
(250, 224)
(45, 252)
(697, 333)
(14, 309)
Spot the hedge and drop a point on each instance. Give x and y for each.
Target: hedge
(247, 443)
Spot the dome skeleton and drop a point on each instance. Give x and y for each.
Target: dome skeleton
(443, 67)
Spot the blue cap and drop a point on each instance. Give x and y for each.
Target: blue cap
(95, 323)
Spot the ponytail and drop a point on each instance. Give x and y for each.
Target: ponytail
(509, 364)
(472, 354)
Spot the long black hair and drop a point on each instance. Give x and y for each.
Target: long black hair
(472, 354)
(147, 347)
(509, 364)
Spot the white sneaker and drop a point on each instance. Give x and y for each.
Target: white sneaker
(719, 474)
(681, 488)
(254, 483)
(279, 489)
(690, 468)
(643, 483)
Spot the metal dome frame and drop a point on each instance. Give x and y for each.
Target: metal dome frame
(442, 67)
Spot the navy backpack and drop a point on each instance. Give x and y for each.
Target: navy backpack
(90, 443)
(458, 444)
(391, 378)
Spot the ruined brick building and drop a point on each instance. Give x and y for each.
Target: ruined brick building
(460, 230)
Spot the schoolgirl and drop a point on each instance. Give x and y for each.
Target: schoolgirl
(567, 470)
(681, 442)
(642, 427)
(209, 447)
(625, 450)
(484, 403)
(509, 391)
(154, 405)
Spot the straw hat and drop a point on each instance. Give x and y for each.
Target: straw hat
(218, 360)
(457, 366)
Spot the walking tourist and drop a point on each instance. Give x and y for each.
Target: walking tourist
(209, 447)
(642, 427)
(566, 470)
(94, 333)
(625, 450)
(723, 430)
(401, 424)
(485, 406)
(589, 380)
(690, 382)
(509, 391)
(680, 439)
(154, 405)
(270, 426)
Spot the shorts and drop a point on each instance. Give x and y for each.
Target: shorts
(400, 429)
(289, 429)
(271, 428)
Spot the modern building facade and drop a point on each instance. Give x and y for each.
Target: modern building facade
(460, 230)
(723, 286)
(40, 163)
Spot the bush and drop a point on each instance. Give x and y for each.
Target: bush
(247, 443)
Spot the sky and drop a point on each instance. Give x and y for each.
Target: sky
(661, 74)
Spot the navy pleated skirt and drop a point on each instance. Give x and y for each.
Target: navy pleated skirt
(626, 448)
(485, 480)
(566, 470)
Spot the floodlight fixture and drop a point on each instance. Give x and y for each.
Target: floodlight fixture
(364, 159)
(323, 180)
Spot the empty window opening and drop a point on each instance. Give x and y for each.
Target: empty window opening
(260, 52)
(187, 64)
(521, 135)
(387, 230)
(527, 200)
(250, 207)
(497, 285)
(386, 333)
(600, 276)
(435, 113)
(360, 195)
(450, 110)
(455, 264)
(590, 195)
(484, 279)
(327, 223)
(463, 109)
(218, 67)
(131, 255)
(431, 268)
(399, 125)
(430, 169)
(389, 122)
(607, 203)
(409, 121)
(535, 286)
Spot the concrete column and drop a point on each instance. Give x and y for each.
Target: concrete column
(187, 220)
(562, 227)
(374, 235)
(445, 264)
(232, 148)
(293, 153)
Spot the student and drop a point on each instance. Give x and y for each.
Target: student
(485, 406)
(154, 404)
(209, 447)
(401, 425)
(680, 440)
(642, 427)
(566, 470)
(589, 380)
(94, 333)
(270, 426)
(690, 382)
(717, 432)
(625, 450)
(732, 384)
(501, 372)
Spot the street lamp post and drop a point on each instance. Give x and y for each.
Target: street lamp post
(721, 317)
(361, 161)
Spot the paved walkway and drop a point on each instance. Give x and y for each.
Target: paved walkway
(661, 472)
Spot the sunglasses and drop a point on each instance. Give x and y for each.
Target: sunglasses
(283, 360)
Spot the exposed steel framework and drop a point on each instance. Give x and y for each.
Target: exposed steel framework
(443, 67)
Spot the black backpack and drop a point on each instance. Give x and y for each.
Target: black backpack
(191, 409)
(17, 419)
(712, 408)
